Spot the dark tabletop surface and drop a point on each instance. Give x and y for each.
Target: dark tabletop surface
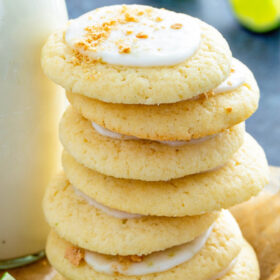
(260, 52)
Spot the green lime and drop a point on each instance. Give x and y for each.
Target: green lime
(7, 276)
(258, 15)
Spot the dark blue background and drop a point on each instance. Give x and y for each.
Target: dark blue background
(260, 52)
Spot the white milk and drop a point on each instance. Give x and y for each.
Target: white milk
(30, 106)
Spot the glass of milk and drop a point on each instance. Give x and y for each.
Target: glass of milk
(30, 106)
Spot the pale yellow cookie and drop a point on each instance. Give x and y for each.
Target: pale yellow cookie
(184, 120)
(239, 179)
(259, 220)
(245, 267)
(85, 226)
(205, 70)
(221, 248)
(142, 159)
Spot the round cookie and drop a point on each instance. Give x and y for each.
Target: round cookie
(85, 226)
(205, 70)
(245, 268)
(221, 248)
(242, 177)
(183, 120)
(142, 159)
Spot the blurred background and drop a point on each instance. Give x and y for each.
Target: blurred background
(260, 52)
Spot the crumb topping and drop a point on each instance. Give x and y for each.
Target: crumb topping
(130, 259)
(126, 261)
(124, 49)
(142, 35)
(75, 255)
(176, 26)
(108, 30)
(96, 34)
(130, 18)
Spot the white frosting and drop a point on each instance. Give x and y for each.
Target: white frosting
(108, 133)
(109, 211)
(153, 263)
(169, 37)
(224, 271)
(235, 79)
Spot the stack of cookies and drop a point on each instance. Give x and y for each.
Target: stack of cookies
(154, 148)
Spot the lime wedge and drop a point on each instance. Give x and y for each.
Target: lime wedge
(258, 15)
(7, 276)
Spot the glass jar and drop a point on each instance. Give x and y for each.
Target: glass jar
(30, 106)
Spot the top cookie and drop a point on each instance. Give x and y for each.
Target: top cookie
(87, 55)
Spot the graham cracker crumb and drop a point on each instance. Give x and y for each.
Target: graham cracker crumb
(126, 261)
(176, 26)
(124, 49)
(75, 255)
(142, 35)
(130, 18)
(159, 19)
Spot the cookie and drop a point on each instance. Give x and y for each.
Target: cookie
(77, 221)
(221, 248)
(241, 177)
(141, 159)
(185, 120)
(245, 267)
(203, 71)
(259, 220)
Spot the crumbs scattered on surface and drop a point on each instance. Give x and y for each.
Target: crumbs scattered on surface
(74, 255)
